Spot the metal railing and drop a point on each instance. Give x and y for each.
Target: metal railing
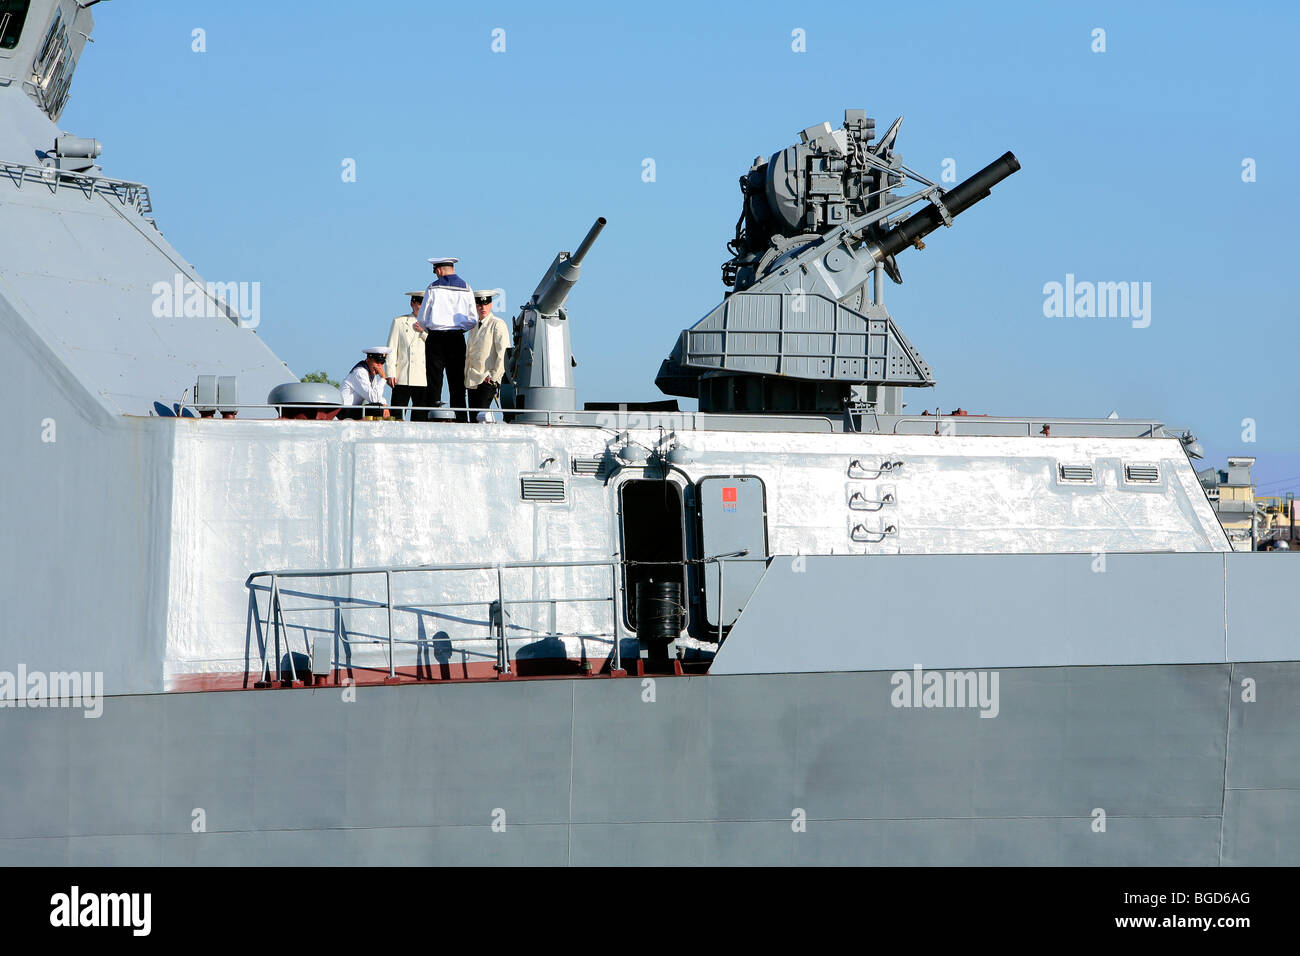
(278, 619)
(721, 560)
(135, 195)
(952, 425)
(976, 425)
(552, 416)
(273, 629)
(578, 418)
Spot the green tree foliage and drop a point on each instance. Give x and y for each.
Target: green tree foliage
(320, 377)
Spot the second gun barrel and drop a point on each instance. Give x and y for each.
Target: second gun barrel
(956, 200)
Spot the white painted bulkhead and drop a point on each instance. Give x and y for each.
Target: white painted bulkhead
(252, 496)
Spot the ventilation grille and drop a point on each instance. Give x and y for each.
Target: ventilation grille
(541, 489)
(1142, 472)
(1075, 472)
(589, 466)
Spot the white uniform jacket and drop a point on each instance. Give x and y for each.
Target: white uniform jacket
(485, 352)
(359, 388)
(405, 360)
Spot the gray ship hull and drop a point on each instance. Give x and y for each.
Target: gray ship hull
(817, 768)
(181, 533)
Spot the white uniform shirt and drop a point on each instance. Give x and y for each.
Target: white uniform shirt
(406, 360)
(448, 304)
(360, 388)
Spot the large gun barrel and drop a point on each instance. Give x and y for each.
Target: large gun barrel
(956, 200)
(564, 274)
(588, 241)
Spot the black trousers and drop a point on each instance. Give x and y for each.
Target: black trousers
(444, 351)
(404, 395)
(357, 412)
(480, 396)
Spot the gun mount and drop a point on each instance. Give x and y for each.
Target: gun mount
(798, 332)
(539, 368)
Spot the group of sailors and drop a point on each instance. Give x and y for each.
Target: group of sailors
(449, 331)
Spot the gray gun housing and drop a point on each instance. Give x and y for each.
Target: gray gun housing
(539, 368)
(799, 332)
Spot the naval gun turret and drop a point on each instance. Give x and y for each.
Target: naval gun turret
(798, 332)
(539, 369)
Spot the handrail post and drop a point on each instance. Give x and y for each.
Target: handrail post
(288, 647)
(279, 622)
(503, 650)
(722, 590)
(336, 645)
(388, 600)
(262, 640)
(613, 615)
(274, 618)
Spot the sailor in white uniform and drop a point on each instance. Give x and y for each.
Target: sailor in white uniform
(364, 386)
(485, 355)
(406, 362)
(446, 315)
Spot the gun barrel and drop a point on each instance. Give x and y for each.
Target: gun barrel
(587, 242)
(565, 275)
(957, 200)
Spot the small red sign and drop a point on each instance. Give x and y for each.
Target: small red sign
(728, 499)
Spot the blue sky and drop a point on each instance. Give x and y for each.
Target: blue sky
(1132, 171)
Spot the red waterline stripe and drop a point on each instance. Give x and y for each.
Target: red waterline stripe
(465, 672)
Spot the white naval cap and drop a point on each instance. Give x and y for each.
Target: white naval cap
(444, 261)
(380, 351)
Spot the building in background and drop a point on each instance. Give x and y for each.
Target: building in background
(1277, 518)
(1249, 522)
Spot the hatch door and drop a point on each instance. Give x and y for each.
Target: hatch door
(733, 517)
